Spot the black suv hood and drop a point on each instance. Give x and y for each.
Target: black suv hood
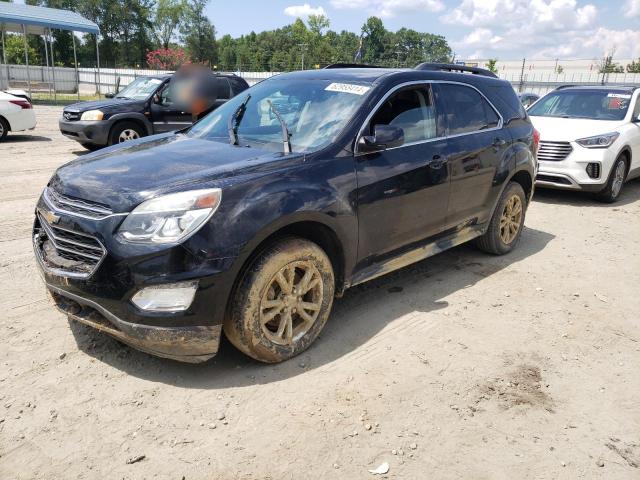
(124, 175)
(106, 105)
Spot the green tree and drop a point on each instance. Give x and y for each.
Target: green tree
(166, 19)
(634, 67)
(607, 65)
(492, 65)
(15, 51)
(374, 33)
(198, 33)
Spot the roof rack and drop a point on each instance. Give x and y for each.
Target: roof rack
(350, 65)
(599, 85)
(450, 67)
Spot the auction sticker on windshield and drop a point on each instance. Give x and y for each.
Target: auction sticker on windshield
(347, 88)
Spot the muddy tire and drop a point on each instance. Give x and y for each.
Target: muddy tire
(125, 131)
(282, 302)
(507, 222)
(616, 180)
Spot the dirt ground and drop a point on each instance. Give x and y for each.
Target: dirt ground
(462, 366)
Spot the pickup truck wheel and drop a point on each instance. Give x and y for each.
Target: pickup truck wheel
(617, 176)
(124, 131)
(507, 222)
(4, 128)
(282, 302)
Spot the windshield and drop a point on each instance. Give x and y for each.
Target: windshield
(140, 89)
(314, 111)
(591, 104)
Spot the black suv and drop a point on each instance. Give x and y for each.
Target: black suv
(144, 107)
(257, 216)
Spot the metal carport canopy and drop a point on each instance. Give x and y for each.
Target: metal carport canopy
(38, 20)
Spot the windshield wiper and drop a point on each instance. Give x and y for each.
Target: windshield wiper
(286, 140)
(235, 119)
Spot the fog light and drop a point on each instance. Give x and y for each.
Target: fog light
(172, 297)
(593, 170)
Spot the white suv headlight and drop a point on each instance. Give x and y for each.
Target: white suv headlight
(94, 115)
(599, 141)
(170, 218)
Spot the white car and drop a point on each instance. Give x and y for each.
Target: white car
(16, 113)
(589, 139)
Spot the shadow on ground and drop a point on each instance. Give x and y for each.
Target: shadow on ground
(13, 138)
(630, 193)
(357, 317)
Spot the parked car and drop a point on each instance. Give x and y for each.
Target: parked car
(528, 99)
(253, 219)
(16, 113)
(144, 107)
(590, 139)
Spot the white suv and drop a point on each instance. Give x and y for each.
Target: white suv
(589, 139)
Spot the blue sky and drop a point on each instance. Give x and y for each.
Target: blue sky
(507, 29)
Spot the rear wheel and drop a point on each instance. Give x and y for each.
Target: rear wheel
(616, 180)
(4, 129)
(507, 222)
(125, 131)
(282, 302)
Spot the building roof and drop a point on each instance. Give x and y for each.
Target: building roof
(38, 19)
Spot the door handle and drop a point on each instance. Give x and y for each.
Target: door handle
(499, 142)
(438, 162)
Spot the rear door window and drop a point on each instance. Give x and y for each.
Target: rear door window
(411, 109)
(223, 88)
(466, 110)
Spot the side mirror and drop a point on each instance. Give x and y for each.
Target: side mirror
(157, 99)
(384, 137)
(109, 95)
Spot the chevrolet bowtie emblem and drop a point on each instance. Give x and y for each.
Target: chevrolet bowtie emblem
(50, 217)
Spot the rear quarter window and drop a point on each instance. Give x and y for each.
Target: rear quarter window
(506, 101)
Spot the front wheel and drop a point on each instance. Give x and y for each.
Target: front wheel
(507, 222)
(125, 131)
(615, 182)
(282, 302)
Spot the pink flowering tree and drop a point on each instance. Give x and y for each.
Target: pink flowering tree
(167, 58)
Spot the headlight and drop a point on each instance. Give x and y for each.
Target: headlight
(92, 115)
(599, 141)
(170, 218)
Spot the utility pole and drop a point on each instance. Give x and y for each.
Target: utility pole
(303, 46)
(521, 86)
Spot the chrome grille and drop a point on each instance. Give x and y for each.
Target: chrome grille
(66, 252)
(75, 206)
(554, 151)
(71, 115)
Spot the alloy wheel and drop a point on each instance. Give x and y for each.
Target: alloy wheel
(128, 134)
(511, 219)
(618, 179)
(291, 302)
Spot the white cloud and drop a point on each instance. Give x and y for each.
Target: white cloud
(303, 10)
(632, 8)
(390, 8)
(537, 29)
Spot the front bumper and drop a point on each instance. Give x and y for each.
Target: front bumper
(571, 172)
(101, 298)
(95, 133)
(184, 344)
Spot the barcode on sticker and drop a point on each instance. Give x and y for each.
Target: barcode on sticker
(347, 88)
(619, 95)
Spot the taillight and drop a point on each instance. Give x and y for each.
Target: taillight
(536, 140)
(24, 104)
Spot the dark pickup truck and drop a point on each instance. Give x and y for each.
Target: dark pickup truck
(144, 107)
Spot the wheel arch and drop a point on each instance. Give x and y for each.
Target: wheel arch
(626, 150)
(139, 120)
(6, 120)
(524, 178)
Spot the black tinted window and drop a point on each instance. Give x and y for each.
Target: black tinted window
(410, 109)
(223, 88)
(467, 110)
(237, 85)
